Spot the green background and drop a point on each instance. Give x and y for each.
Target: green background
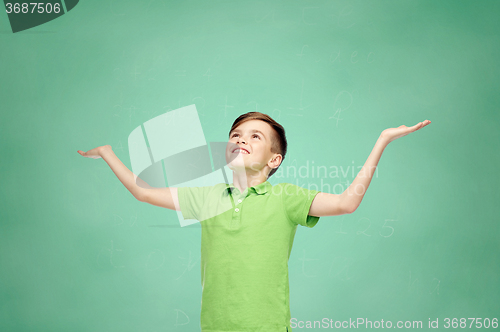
(79, 253)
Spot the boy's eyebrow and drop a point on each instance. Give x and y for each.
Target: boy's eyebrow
(252, 131)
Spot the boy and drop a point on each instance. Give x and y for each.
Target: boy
(248, 227)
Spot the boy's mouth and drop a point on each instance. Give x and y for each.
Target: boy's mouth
(242, 150)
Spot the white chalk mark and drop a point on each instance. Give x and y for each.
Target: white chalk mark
(111, 254)
(303, 260)
(363, 231)
(302, 51)
(189, 266)
(153, 254)
(207, 74)
(353, 55)
(339, 109)
(180, 73)
(342, 13)
(343, 267)
(341, 224)
(177, 317)
(301, 108)
(384, 226)
(114, 219)
(437, 287)
(410, 282)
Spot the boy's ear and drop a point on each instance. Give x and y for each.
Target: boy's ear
(276, 161)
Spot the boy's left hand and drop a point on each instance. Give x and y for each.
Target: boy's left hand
(391, 134)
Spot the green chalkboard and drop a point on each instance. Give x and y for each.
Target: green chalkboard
(80, 253)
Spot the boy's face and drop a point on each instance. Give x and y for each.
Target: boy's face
(255, 137)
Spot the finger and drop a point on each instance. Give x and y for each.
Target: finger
(417, 126)
(423, 124)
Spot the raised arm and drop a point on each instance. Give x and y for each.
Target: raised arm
(163, 197)
(325, 204)
(354, 194)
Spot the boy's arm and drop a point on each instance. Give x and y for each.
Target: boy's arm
(354, 194)
(126, 177)
(325, 204)
(163, 197)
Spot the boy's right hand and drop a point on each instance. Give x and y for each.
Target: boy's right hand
(94, 153)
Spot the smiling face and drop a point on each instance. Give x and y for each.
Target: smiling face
(255, 137)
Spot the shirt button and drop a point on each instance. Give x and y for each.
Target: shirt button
(239, 201)
(236, 209)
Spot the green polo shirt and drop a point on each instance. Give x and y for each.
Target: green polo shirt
(246, 242)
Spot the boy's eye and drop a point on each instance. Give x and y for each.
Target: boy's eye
(254, 135)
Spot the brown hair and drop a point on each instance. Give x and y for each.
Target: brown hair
(278, 138)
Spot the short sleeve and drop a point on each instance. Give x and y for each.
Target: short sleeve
(192, 200)
(297, 202)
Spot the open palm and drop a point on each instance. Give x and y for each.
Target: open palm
(391, 134)
(95, 153)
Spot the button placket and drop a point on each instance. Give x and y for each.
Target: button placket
(236, 220)
(239, 202)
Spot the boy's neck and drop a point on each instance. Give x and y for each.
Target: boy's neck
(242, 181)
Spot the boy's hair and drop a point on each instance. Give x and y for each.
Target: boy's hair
(278, 138)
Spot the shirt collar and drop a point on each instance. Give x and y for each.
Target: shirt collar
(260, 189)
